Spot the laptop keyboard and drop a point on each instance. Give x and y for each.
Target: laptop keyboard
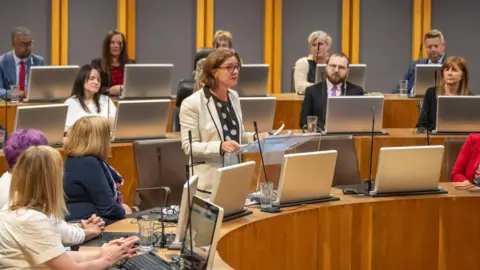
(145, 261)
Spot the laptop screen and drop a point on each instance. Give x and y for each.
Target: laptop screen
(204, 217)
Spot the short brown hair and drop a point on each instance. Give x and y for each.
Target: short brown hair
(90, 136)
(37, 182)
(213, 61)
(222, 35)
(434, 33)
(463, 88)
(340, 54)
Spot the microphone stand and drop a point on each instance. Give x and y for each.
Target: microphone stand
(260, 148)
(369, 180)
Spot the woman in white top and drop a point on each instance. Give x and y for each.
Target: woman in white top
(28, 235)
(86, 99)
(319, 43)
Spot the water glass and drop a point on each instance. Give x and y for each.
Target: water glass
(145, 231)
(15, 94)
(266, 195)
(402, 87)
(312, 123)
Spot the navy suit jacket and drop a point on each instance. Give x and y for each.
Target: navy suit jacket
(410, 76)
(89, 189)
(8, 71)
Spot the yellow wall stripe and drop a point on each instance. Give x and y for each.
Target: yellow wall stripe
(268, 40)
(426, 20)
(63, 32)
(131, 27)
(277, 47)
(417, 28)
(200, 23)
(122, 16)
(55, 32)
(209, 22)
(346, 27)
(355, 31)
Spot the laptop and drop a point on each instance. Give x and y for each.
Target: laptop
(425, 78)
(353, 115)
(232, 188)
(357, 74)
(49, 119)
(260, 109)
(410, 170)
(457, 115)
(50, 83)
(144, 81)
(253, 80)
(306, 178)
(141, 119)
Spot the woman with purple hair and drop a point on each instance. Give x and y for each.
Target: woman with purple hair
(17, 143)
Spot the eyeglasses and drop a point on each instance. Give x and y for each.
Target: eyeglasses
(231, 69)
(26, 44)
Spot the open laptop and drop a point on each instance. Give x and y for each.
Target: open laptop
(253, 80)
(357, 74)
(145, 81)
(354, 115)
(50, 83)
(232, 188)
(306, 178)
(260, 109)
(420, 175)
(457, 115)
(49, 119)
(141, 119)
(425, 78)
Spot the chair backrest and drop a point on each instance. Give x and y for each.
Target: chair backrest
(185, 89)
(200, 54)
(346, 168)
(160, 163)
(176, 120)
(292, 82)
(452, 149)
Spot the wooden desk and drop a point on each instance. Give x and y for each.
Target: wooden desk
(411, 232)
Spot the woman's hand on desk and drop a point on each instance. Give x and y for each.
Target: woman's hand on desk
(230, 146)
(115, 90)
(92, 227)
(119, 249)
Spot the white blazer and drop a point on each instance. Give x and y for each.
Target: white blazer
(198, 114)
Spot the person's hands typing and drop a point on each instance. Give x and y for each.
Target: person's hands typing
(119, 249)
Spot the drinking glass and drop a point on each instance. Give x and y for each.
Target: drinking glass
(145, 230)
(402, 87)
(15, 94)
(266, 194)
(312, 123)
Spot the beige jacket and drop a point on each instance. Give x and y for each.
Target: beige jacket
(300, 75)
(198, 114)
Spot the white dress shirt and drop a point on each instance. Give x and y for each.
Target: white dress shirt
(75, 110)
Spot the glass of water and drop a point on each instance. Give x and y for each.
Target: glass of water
(312, 123)
(402, 87)
(266, 195)
(145, 230)
(15, 94)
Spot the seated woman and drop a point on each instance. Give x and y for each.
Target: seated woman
(86, 99)
(453, 82)
(467, 165)
(214, 117)
(90, 183)
(28, 237)
(112, 63)
(305, 68)
(16, 144)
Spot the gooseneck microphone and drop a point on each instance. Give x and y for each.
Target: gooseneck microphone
(420, 53)
(427, 127)
(260, 149)
(189, 222)
(370, 179)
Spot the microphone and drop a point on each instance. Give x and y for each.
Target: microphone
(370, 179)
(189, 221)
(260, 148)
(420, 53)
(428, 126)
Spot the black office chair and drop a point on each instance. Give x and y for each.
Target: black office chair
(200, 54)
(292, 82)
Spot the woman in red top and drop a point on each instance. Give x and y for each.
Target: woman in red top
(112, 63)
(468, 161)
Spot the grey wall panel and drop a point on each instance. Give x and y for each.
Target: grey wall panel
(245, 20)
(166, 34)
(88, 23)
(457, 19)
(300, 18)
(37, 18)
(385, 42)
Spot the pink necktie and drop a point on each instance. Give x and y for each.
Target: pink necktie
(334, 91)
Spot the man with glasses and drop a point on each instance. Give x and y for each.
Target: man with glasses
(15, 65)
(336, 84)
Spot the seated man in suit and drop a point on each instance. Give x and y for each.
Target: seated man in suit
(336, 84)
(435, 46)
(15, 65)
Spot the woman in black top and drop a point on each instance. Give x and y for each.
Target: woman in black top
(453, 82)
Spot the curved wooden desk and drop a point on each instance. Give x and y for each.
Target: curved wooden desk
(416, 232)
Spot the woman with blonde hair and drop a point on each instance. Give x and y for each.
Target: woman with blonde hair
(305, 68)
(28, 237)
(454, 79)
(90, 183)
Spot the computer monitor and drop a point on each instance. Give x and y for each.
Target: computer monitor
(206, 220)
(231, 189)
(260, 109)
(141, 119)
(50, 83)
(183, 213)
(306, 177)
(253, 80)
(143, 81)
(49, 119)
(408, 169)
(425, 78)
(458, 114)
(357, 74)
(354, 114)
